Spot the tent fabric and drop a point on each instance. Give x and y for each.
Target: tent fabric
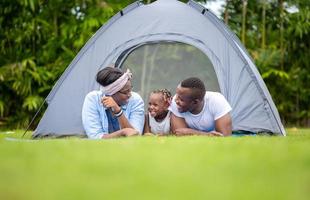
(167, 21)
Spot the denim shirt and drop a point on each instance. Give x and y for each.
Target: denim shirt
(95, 121)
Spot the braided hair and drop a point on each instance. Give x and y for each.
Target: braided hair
(166, 95)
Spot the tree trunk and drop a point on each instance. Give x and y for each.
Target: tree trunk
(226, 14)
(263, 25)
(281, 33)
(244, 9)
(144, 68)
(55, 24)
(152, 65)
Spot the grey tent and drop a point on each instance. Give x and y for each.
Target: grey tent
(163, 43)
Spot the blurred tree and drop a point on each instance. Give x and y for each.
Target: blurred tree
(277, 36)
(39, 38)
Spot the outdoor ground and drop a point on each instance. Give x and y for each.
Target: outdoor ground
(253, 167)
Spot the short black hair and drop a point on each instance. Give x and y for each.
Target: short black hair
(108, 75)
(197, 86)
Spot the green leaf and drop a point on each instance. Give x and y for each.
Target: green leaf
(32, 103)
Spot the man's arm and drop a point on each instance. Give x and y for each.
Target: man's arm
(224, 125)
(180, 128)
(177, 123)
(221, 111)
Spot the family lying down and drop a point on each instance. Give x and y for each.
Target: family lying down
(116, 111)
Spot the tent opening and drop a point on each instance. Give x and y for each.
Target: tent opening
(164, 65)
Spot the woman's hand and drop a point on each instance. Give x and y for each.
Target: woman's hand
(129, 132)
(109, 102)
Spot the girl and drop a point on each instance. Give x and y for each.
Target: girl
(157, 120)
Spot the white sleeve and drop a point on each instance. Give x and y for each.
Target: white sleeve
(173, 108)
(219, 105)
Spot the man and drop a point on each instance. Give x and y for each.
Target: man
(114, 110)
(197, 112)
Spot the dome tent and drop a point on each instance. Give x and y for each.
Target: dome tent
(163, 43)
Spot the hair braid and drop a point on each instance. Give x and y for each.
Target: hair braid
(166, 95)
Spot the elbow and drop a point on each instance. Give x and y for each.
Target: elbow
(174, 131)
(227, 132)
(178, 131)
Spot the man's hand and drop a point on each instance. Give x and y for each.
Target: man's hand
(215, 133)
(109, 102)
(189, 131)
(183, 132)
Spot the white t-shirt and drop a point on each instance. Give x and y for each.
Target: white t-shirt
(160, 127)
(215, 107)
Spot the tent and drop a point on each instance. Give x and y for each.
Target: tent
(163, 43)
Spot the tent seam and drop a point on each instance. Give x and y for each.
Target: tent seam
(231, 38)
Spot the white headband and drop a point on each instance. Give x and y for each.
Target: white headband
(117, 85)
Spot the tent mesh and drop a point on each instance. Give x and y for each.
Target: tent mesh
(165, 65)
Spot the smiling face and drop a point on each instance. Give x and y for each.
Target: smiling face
(122, 97)
(184, 100)
(157, 105)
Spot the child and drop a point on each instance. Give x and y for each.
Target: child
(157, 120)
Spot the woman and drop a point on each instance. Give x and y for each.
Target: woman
(114, 110)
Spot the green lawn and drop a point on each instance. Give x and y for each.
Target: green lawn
(258, 167)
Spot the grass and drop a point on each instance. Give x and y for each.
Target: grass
(258, 167)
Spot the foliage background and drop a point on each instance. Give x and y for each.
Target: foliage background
(39, 38)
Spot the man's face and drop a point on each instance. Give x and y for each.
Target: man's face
(184, 99)
(122, 97)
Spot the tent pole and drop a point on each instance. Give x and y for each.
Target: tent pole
(33, 118)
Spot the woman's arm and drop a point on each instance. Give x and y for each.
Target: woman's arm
(91, 118)
(121, 133)
(136, 116)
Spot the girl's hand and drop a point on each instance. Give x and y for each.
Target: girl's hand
(109, 102)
